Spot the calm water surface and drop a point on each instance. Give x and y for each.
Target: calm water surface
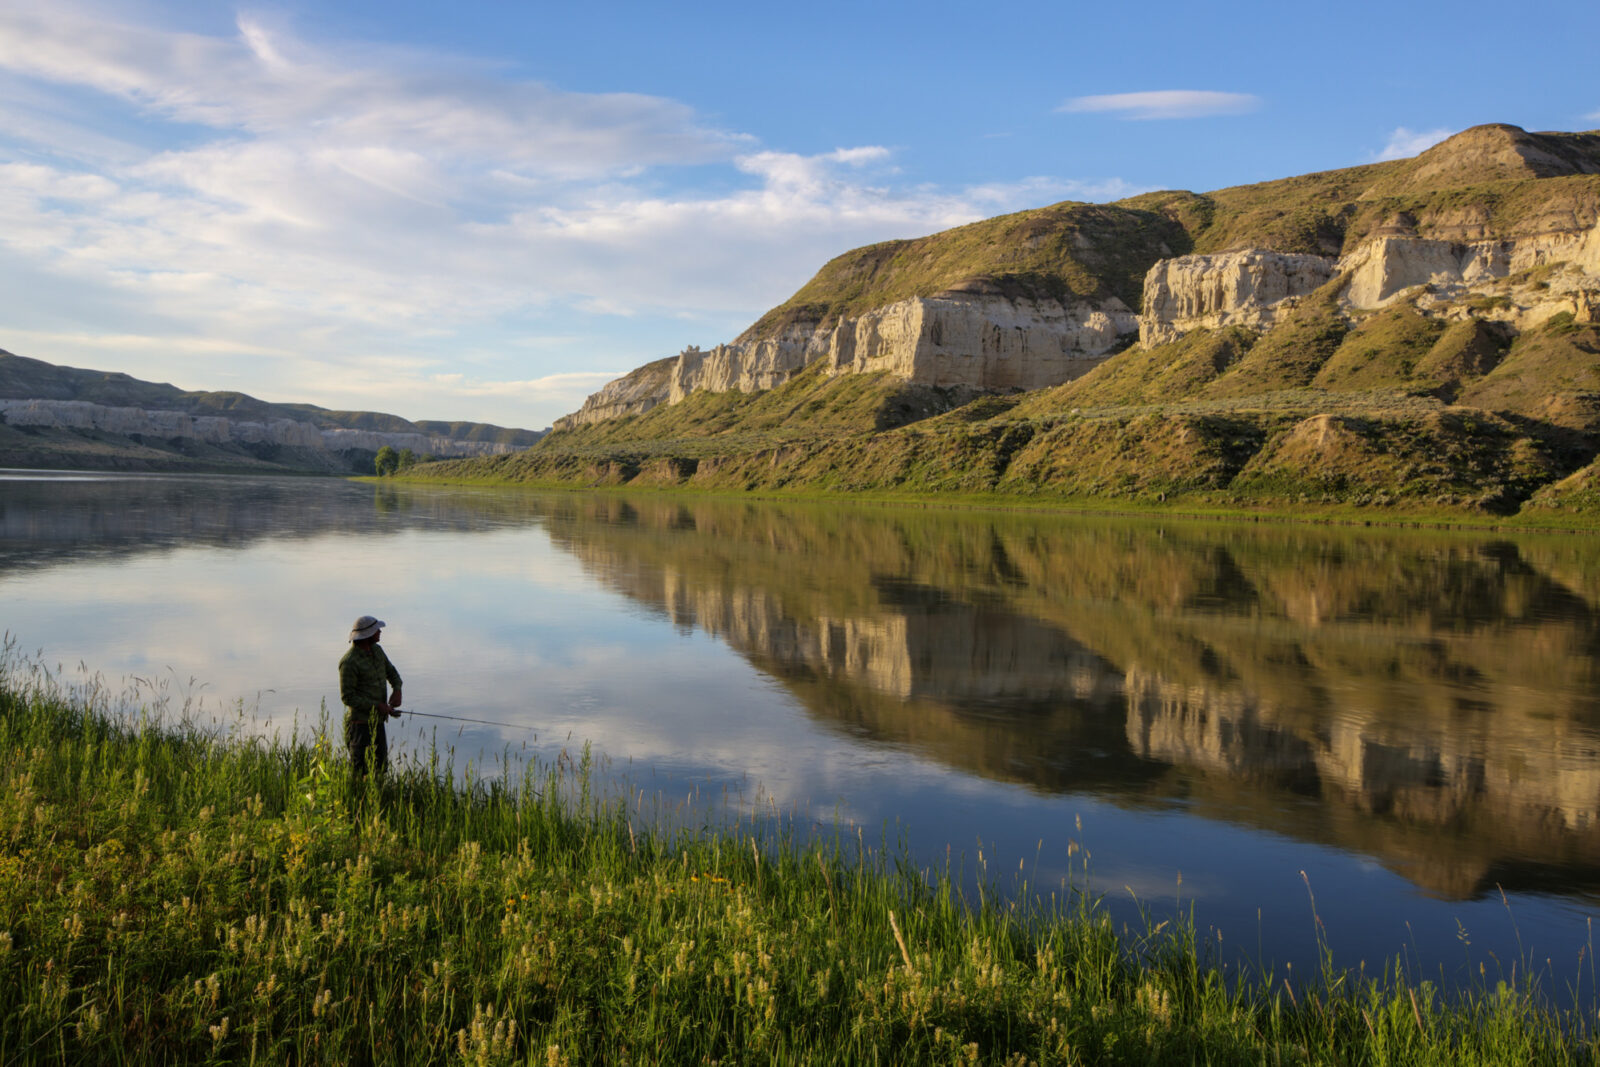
(1218, 715)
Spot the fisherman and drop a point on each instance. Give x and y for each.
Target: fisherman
(365, 677)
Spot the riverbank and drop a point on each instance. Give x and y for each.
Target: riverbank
(1218, 509)
(168, 894)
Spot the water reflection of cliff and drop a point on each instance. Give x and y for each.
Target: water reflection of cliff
(1425, 699)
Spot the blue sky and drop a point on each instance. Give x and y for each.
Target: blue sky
(485, 210)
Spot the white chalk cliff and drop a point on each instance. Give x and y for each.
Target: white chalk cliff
(978, 341)
(1254, 287)
(981, 342)
(994, 343)
(1249, 288)
(1466, 258)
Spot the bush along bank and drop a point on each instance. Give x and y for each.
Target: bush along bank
(171, 895)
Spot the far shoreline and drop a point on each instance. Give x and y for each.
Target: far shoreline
(1347, 515)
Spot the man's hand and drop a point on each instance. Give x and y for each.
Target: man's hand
(394, 702)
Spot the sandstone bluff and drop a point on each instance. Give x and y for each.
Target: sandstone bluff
(53, 416)
(989, 322)
(1417, 337)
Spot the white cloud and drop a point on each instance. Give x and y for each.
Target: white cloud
(1405, 143)
(566, 384)
(334, 215)
(1165, 104)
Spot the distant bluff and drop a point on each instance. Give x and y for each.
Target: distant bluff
(68, 417)
(1496, 226)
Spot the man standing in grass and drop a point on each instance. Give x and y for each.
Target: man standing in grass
(365, 675)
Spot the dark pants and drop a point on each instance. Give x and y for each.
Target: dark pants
(368, 743)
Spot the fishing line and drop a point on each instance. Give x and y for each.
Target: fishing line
(463, 718)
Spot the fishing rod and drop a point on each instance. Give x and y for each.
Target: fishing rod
(463, 718)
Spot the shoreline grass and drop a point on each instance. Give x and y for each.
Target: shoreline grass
(1180, 508)
(168, 894)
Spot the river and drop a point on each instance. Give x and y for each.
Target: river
(1393, 732)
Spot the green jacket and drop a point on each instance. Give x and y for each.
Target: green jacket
(365, 677)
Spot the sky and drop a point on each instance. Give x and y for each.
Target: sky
(486, 209)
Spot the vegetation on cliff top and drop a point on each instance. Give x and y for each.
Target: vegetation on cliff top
(1062, 252)
(1491, 180)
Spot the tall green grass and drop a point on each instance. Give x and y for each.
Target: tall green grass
(174, 894)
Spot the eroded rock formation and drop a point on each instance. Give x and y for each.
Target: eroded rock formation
(1510, 253)
(1249, 288)
(1521, 281)
(979, 341)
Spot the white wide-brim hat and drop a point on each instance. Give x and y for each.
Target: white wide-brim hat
(365, 627)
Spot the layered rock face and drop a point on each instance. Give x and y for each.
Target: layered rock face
(1386, 267)
(981, 342)
(1253, 288)
(1494, 223)
(1249, 288)
(219, 430)
(1465, 257)
(986, 342)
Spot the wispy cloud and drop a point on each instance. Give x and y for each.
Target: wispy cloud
(1405, 143)
(311, 204)
(1165, 104)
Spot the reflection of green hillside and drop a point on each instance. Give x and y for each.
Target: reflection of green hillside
(1421, 697)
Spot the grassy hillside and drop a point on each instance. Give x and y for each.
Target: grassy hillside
(1397, 412)
(1435, 414)
(1489, 181)
(1068, 250)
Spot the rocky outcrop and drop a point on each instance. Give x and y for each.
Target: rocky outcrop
(1386, 267)
(984, 342)
(1249, 288)
(747, 367)
(220, 430)
(981, 342)
(1492, 279)
(1495, 223)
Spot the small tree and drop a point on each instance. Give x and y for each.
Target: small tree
(408, 459)
(387, 461)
